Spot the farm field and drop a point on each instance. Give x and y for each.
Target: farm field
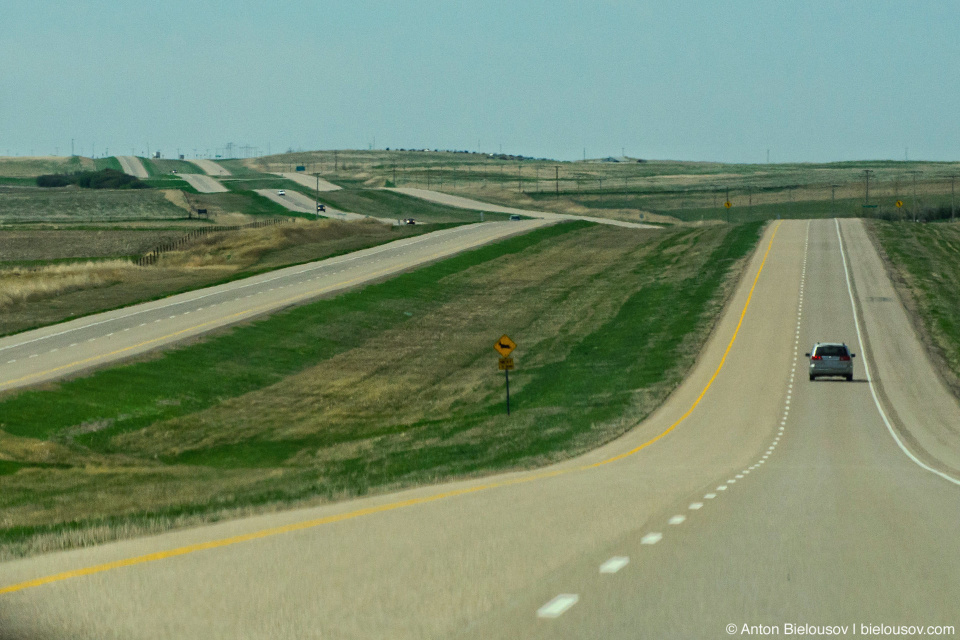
(681, 192)
(391, 385)
(50, 281)
(75, 206)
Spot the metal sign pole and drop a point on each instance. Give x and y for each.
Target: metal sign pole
(507, 372)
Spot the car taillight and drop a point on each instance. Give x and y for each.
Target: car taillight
(815, 358)
(844, 358)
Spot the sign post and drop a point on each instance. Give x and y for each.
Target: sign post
(504, 347)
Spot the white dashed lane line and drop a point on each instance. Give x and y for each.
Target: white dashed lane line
(652, 538)
(675, 520)
(558, 606)
(614, 564)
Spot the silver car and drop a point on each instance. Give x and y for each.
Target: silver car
(831, 359)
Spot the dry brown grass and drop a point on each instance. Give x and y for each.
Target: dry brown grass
(32, 167)
(19, 285)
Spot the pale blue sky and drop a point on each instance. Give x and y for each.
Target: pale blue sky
(811, 81)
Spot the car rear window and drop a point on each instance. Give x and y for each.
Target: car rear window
(832, 350)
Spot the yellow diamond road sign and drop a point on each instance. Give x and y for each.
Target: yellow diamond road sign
(505, 345)
(728, 204)
(899, 203)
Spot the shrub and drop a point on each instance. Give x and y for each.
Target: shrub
(103, 179)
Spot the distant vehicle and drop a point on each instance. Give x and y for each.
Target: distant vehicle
(831, 359)
(515, 217)
(173, 171)
(281, 192)
(321, 207)
(409, 221)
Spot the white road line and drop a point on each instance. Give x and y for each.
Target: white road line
(558, 606)
(695, 505)
(34, 355)
(710, 496)
(722, 487)
(866, 369)
(10, 361)
(675, 520)
(651, 538)
(73, 344)
(614, 564)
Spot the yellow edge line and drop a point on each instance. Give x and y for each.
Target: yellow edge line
(308, 524)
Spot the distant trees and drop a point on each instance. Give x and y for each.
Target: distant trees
(103, 179)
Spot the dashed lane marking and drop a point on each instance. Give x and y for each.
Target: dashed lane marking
(614, 564)
(558, 606)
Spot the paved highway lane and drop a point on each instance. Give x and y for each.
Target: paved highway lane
(203, 183)
(751, 496)
(131, 165)
(59, 350)
(476, 205)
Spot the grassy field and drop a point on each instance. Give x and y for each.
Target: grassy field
(33, 167)
(108, 163)
(387, 204)
(49, 289)
(388, 386)
(27, 246)
(72, 205)
(925, 261)
(679, 191)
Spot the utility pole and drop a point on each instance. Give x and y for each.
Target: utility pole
(519, 186)
(556, 177)
(317, 209)
(394, 175)
(335, 165)
(833, 199)
(866, 193)
(916, 211)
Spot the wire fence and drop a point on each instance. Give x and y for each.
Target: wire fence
(152, 256)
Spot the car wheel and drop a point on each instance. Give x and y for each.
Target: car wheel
(812, 377)
(849, 377)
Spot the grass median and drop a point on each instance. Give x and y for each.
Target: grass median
(384, 387)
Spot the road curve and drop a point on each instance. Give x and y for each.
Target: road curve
(56, 351)
(132, 166)
(752, 496)
(476, 205)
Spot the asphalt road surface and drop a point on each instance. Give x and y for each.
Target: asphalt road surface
(311, 181)
(476, 205)
(751, 497)
(53, 352)
(203, 183)
(131, 165)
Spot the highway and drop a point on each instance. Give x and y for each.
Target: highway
(60, 350)
(131, 165)
(468, 203)
(751, 497)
